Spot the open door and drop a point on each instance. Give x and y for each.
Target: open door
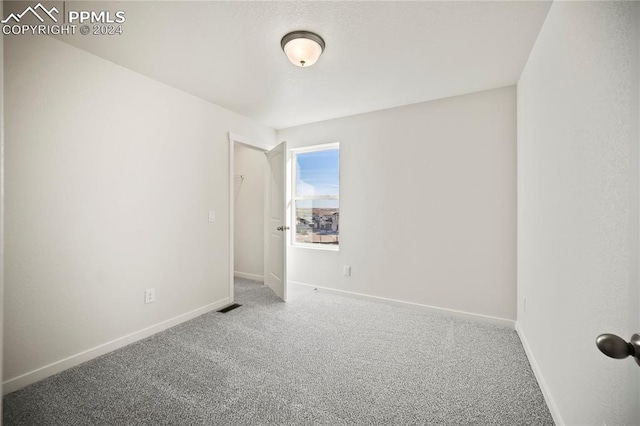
(275, 261)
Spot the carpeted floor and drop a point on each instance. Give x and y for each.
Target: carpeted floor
(317, 360)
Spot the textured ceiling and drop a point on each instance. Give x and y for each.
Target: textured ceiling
(378, 55)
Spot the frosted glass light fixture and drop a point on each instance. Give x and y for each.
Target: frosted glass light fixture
(303, 48)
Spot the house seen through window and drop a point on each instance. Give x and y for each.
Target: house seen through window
(316, 194)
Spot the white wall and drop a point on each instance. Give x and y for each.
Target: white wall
(109, 177)
(249, 212)
(1, 203)
(427, 204)
(578, 101)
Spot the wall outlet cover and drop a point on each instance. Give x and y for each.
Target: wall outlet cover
(149, 295)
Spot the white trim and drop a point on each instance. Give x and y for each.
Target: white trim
(537, 371)
(248, 276)
(291, 200)
(312, 148)
(317, 197)
(315, 246)
(265, 218)
(231, 212)
(56, 367)
(298, 288)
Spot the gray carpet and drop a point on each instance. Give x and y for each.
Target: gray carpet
(317, 360)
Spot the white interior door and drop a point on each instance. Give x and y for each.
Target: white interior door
(275, 262)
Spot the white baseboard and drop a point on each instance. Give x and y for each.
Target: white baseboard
(295, 288)
(41, 373)
(553, 408)
(248, 276)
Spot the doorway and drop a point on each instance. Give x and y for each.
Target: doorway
(250, 168)
(257, 205)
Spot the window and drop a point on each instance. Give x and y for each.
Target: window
(316, 192)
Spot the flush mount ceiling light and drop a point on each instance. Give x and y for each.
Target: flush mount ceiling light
(303, 48)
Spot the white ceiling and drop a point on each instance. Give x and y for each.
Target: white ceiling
(378, 55)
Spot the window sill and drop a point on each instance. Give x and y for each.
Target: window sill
(316, 247)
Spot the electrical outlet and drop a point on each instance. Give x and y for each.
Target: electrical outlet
(346, 270)
(212, 216)
(149, 295)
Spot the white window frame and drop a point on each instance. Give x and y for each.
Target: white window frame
(294, 175)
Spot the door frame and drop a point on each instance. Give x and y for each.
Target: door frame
(233, 138)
